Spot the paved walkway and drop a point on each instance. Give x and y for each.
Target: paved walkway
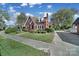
(34, 43)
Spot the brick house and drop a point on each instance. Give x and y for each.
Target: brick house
(31, 25)
(76, 23)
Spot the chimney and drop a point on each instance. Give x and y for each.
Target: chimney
(47, 15)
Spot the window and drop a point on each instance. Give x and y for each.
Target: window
(38, 26)
(42, 27)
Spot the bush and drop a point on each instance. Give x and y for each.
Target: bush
(49, 30)
(11, 30)
(56, 27)
(40, 31)
(65, 27)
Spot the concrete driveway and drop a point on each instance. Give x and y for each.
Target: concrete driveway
(71, 38)
(67, 44)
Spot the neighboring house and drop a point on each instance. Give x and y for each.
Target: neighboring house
(32, 25)
(76, 24)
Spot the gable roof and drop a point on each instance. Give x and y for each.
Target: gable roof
(76, 21)
(30, 19)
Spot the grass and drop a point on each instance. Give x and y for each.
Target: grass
(45, 37)
(12, 48)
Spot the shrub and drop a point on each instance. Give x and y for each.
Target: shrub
(11, 30)
(49, 30)
(43, 31)
(65, 27)
(40, 31)
(57, 27)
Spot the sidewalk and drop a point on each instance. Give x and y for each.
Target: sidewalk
(34, 43)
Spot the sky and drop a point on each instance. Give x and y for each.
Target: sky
(32, 9)
(35, 9)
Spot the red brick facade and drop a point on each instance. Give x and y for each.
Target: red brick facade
(31, 25)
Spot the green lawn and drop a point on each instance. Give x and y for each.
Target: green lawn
(45, 37)
(12, 48)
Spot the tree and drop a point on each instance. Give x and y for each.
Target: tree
(63, 17)
(3, 16)
(21, 18)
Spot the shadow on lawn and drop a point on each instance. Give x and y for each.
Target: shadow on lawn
(72, 38)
